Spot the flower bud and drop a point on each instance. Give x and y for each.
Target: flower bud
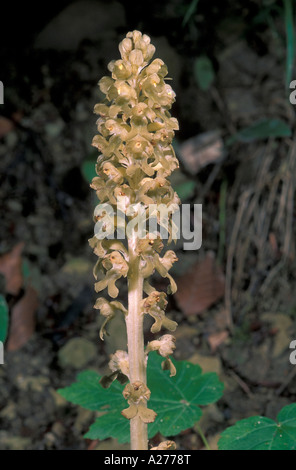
(125, 47)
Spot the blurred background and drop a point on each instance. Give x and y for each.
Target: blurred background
(231, 65)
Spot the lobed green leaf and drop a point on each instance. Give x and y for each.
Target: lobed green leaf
(3, 319)
(204, 72)
(176, 400)
(259, 433)
(263, 129)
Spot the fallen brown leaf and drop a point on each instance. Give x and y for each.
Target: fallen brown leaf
(202, 150)
(202, 286)
(216, 339)
(22, 320)
(11, 268)
(6, 125)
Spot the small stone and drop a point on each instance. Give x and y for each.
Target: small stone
(13, 442)
(83, 420)
(207, 363)
(53, 129)
(58, 399)
(58, 429)
(49, 440)
(77, 353)
(9, 412)
(34, 384)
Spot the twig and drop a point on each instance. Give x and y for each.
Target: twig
(229, 266)
(285, 384)
(242, 384)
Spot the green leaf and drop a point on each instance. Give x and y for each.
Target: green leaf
(88, 393)
(88, 167)
(262, 129)
(25, 269)
(110, 425)
(3, 319)
(259, 433)
(190, 11)
(204, 72)
(290, 40)
(185, 190)
(176, 400)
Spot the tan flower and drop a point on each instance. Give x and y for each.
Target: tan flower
(137, 394)
(165, 445)
(154, 305)
(165, 345)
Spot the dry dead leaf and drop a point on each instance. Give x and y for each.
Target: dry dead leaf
(22, 320)
(274, 245)
(216, 339)
(200, 151)
(6, 125)
(207, 363)
(11, 268)
(202, 286)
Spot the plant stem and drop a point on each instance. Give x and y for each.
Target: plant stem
(135, 340)
(203, 437)
(290, 40)
(222, 221)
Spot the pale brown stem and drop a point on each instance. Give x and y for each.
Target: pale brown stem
(135, 340)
